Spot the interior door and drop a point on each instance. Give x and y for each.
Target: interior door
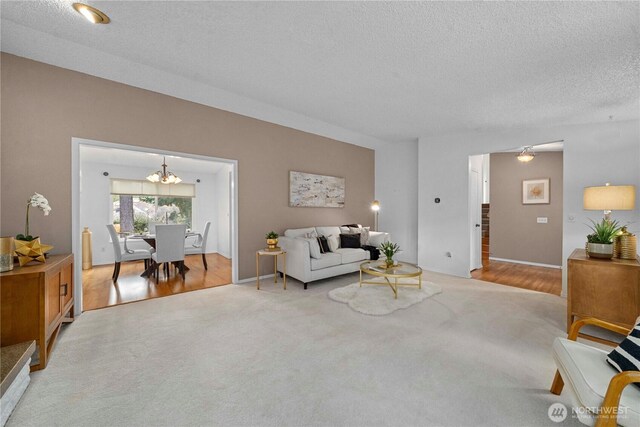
(475, 216)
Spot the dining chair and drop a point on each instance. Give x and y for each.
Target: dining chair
(125, 255)
(151, 227)
(169, 247)
(200, 245)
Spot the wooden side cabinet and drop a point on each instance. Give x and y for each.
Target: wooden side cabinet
(606, 289)
(36, 300)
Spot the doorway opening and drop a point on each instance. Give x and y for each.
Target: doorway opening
(113, 197)
(515, 211)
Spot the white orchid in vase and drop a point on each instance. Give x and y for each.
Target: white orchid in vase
(36, 201)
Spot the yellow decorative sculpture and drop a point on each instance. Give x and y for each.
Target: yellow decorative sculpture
(32, 250)
(29, 248)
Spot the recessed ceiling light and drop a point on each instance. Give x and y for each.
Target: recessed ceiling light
(92, 14)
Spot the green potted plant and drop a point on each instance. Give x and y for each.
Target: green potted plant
(600, 242)
(272, 239)
(389, 249)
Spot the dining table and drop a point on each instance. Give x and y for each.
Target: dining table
(150, 239)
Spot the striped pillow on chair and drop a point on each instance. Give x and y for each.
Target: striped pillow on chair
(626, 357)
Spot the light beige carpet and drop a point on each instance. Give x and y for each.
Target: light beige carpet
(477, 354)
(378, 300)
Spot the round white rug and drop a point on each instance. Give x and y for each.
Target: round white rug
(378, 300)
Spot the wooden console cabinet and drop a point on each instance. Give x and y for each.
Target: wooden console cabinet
(606, 289)
(36, 299)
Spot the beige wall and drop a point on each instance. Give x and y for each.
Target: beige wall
(514, 232)
(44, 106)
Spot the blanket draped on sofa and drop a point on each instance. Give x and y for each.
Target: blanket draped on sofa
(374, 253)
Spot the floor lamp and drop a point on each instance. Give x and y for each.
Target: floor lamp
(375, 207)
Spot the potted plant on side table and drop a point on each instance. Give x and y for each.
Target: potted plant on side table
(600, 242)
(272, 240)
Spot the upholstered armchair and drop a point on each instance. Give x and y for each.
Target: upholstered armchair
(601, 395)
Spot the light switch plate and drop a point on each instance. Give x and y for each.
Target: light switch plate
(543, 220)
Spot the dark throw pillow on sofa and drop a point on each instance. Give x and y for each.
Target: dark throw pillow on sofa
(324, 244)
(350, 240)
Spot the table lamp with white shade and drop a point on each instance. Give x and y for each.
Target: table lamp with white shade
(609, 198)
(603, 242)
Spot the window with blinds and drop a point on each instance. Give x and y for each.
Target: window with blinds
(147, 188)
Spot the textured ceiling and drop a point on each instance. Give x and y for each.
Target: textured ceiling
(550, 146)
(392, 70)
(152, 161)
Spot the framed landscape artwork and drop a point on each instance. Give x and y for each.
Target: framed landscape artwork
(535, 191)
(315, 191)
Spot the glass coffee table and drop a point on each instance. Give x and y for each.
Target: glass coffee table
(391, 275)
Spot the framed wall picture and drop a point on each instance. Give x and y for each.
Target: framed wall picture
(315, 191)
(535, 191)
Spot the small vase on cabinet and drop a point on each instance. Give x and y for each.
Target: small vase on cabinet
(6, 254)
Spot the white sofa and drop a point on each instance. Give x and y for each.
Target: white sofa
(301, 266)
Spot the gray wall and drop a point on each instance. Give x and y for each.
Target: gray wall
(514, 232)
(43, 107)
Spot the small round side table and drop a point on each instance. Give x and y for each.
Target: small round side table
(274, 254)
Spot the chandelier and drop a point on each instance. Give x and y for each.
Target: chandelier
(163, 176)
(526, 155)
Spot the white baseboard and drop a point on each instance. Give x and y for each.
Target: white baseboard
(253, 279)
(515, 261)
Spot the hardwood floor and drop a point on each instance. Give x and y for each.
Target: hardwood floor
(99, 291)
(541, 279)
